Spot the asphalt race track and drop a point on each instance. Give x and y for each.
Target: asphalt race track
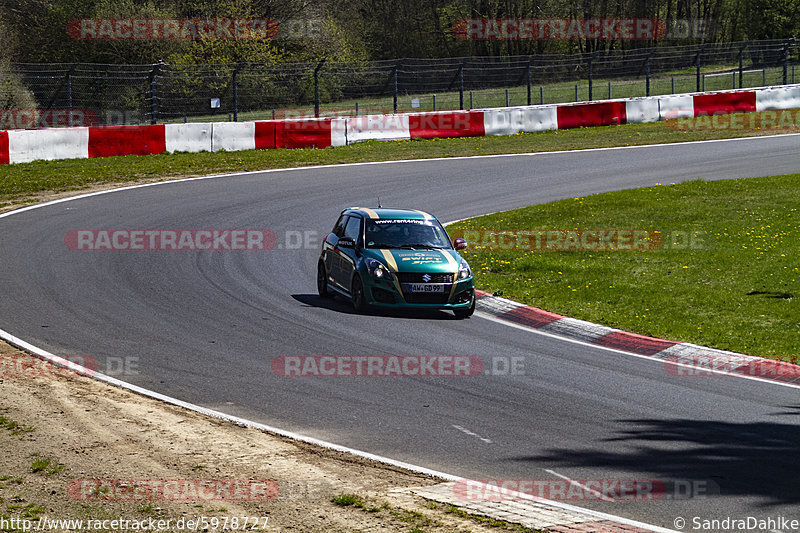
(206, 325)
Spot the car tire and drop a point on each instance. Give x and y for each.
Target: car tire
(357, 292)
(322, 281)
(465, 313)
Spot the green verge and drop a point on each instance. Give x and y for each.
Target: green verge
(724, 274)
(23, 183)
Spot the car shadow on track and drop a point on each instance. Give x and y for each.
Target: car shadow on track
(738, 459)
(340, 305)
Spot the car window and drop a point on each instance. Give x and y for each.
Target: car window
(353, 228)
(398, 233)
(338, 229)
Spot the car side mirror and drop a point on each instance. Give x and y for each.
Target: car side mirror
(460, 244)
(346, 242)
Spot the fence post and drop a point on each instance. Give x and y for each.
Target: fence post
(786, 60)
(461, 86)
(153, 98)
(394, 74)
(69, 93)
(236, 92)
(530, 59)
(741, 63)
(591, 61)
(647, 71)
(66, 82)
(697, 64)
(316, 88)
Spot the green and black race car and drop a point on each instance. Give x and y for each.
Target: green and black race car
(399, 258)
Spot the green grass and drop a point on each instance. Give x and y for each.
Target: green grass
(31, 511)
(348, 500)
(46, 465)
(734, 287)
(402, 515)
(488, 521)
(417, 520)
(20, 183)
(13, 426)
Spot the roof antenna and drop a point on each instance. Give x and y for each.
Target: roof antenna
(379, 203)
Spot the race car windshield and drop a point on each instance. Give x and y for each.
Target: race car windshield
(410, 234)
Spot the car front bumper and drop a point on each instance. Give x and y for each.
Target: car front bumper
(385, 293)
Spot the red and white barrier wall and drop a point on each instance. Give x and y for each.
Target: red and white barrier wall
(57, 143)
(20, 146)
(511, 120)
(786, 97)
(414, 126)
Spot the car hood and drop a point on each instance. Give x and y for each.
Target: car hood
(434, 261)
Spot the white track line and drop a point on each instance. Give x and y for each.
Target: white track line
(576, 484)
(493, 318)
(472, 434)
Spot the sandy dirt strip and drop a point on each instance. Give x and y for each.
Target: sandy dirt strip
(75, 448)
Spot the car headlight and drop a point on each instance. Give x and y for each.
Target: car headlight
(377, 269)
(463, 271)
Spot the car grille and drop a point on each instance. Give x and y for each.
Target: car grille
(416, 277)
(426, 298)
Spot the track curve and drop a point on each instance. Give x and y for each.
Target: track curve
(205, 326)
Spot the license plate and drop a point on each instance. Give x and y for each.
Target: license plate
(425, 287)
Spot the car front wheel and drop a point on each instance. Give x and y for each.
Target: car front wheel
(359, 302)
(465, 312)
(322, 281)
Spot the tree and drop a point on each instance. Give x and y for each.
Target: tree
(13, 94)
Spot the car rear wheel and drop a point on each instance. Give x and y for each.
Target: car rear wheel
(357, 290)
(465, 312)
(322, 281)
